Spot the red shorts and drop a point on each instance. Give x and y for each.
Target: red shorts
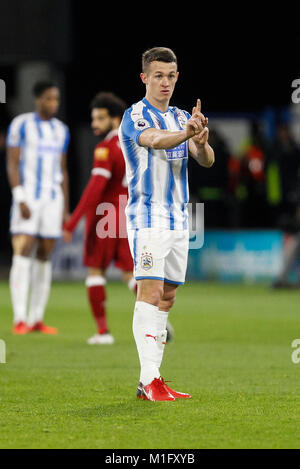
(100, 252)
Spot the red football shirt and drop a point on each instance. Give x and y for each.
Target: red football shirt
(107, 183)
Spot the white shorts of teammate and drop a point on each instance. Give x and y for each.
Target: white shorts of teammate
(159, 254)
(45, 220)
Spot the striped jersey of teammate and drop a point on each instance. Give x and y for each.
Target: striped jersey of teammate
(42, 143)
(157, 179)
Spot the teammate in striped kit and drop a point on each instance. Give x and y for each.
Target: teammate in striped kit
(156, 140)
(36, 160)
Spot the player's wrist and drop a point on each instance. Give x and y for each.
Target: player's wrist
(188, 133)
(18, 194)
(200, 146)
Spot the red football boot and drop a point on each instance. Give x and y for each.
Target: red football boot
(155, 391)
(176, 394)
(20, 328)
(41, 327)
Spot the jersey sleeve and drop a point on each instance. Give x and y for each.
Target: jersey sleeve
(91, 197)
(103, 161)
(16, 132)
(134, 124)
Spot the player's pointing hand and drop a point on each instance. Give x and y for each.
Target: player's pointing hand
(197, 122)
(198, 114)
(198, 107)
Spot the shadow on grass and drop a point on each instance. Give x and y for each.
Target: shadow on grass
(131, 408)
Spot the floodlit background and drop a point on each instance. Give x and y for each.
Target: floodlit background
(245, 83)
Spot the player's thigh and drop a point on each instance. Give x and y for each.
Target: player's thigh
(52, 217)
(23, 244)
(176, 261)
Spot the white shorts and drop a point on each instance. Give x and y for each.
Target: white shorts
(45, 220)
(159, 254)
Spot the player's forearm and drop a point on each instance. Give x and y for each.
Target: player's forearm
(91, 197)
(13, 167)
(162, 139)
(203, 154)
(76, 216)
(13, 174)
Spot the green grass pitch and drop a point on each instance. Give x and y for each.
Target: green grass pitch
(232, 352)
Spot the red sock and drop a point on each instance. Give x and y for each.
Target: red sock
(97, 297)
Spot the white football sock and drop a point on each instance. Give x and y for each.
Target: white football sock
(19, 279)
(161, 324)
(145, 333)
(40, 289)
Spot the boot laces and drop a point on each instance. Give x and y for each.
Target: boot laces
(164, 381)
(160, 385)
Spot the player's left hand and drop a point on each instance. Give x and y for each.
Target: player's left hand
(67, 235)
(202, 138)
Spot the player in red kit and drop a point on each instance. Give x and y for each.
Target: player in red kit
(103, 203)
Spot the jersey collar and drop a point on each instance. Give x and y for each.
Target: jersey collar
(38, 119)
(154, 109)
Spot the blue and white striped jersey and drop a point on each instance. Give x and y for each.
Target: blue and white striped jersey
(42, 143)
(157, 179)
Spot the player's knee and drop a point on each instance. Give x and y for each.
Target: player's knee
(151, 295)
(42, 254)
(44, 249)
(167, 302)
(155, 296)
(170, 302)
(24, 250)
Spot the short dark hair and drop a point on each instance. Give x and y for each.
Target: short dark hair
(160, 54)
(42, 86)
(107, 100)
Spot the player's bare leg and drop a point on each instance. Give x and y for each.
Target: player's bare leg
(40, 286)
(19, 279)
(23, 244)
(95, 284)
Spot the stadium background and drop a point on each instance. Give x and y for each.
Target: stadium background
(246, 92)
